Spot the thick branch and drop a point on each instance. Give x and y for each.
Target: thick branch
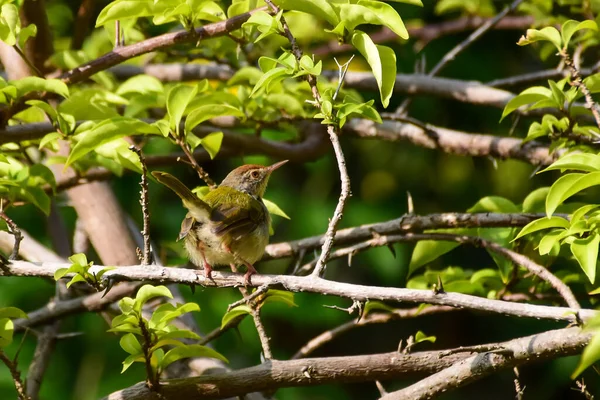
(454, 142)
(407, 223)
(319, 371)
(516, 352)
(305, 284)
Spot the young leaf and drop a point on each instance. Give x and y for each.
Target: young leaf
(106, 131)
(576, 161)
(234, 313)
(558, 189)
(177, 100)
(12, 312)
(131, 344)
(212, 143)
(549, 33)
(428, 250)
(570, 27)
(148, 292)
(542, 223)
(187, 351)
(7, 329)
(527, 96)
(373, 305)
(36, 84)
(371, 12)
(319, 8)
(590, 355)
(382, 61)
(274, 209)
(586, 252)
(422, 337)
(208, 111)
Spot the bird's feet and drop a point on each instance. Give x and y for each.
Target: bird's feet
(247, 276)
(208, 271)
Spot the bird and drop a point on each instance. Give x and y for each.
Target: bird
(230, 225)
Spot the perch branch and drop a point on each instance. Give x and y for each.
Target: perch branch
(318, 371)
(310, 284)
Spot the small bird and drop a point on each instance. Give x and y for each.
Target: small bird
(231, 224)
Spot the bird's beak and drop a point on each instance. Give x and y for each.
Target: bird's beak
(276, 165)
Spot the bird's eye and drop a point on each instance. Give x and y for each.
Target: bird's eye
(255, 174)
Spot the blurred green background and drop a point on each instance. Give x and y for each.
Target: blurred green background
(88, 366)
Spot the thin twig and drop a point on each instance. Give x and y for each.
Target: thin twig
(370, 319)
(339, 209)
(582, 388)
(14, 230)
(578, 82)
(199, 170)
(519, 389)
(152, 378)
(33, 68)
(260, 328)
(451, 55)
(147, 256)
(45, 345)
(16, 376)
(248, 299)
(333, 136)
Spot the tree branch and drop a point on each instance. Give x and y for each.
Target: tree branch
(309, 284)
(394, 365)
(516, 352)
(454, 142)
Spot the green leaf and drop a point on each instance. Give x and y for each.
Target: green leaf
(542, 223)
(148, 292)
(570, 27)
(9, 24)
(76, 278)
(495, 204)
(180, 334)
(7, 329)
(581, 212)
(79, 259)
(183, 309)
(590, 355)
(422, 337)
(187, 351)
(428, 250)
(12, 313)
(234, 313)
(279, 296)
(122, 9)
(26, 33)
(272, 76)
(274, 209)
(130, 344)
(130, 360)
(372, 305)
(38, 197)
(177, 100)
(208, 111)
(534, 202)
(382, 61)
(59, 273)
(549, 240)
(576, 161)
(36, 84)
(212, 143)
(371, 12)
(143, 84)
(106, 131)
(527, 96)
(568, 185)
(548, 33)
(586, 252)
(319, 8)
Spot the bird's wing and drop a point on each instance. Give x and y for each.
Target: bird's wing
(237, 219)
(186, 226)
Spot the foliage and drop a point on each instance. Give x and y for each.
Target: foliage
(144, 339)
(257, 106)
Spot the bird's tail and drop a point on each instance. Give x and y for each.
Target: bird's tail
(190, 200)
